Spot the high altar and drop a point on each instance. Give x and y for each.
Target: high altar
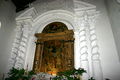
(65, 37)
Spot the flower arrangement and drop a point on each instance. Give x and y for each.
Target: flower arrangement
(22, 74)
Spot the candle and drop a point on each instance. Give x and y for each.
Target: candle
(54, 73)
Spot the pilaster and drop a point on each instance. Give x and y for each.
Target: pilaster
(88, 47)
(20, 44)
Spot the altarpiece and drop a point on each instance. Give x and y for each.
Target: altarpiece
(54, 49)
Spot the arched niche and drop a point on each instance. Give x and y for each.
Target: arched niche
(55, 27)
(54, 49)
(39, 24)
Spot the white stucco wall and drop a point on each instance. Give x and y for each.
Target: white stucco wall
(7, 16)
(107, 47)
(43, 6)
(114, 14)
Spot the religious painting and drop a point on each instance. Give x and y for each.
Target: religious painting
(54, 50)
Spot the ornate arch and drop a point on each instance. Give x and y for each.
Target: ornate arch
(82, 21)
(63, 16)
(27, 26)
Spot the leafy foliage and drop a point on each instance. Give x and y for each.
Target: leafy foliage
(73, 74)
(16, 74)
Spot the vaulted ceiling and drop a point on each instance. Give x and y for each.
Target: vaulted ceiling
(21, 4)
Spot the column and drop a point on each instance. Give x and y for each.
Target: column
(84, 46)
(96, 65)
(81, 45)
(37, 61)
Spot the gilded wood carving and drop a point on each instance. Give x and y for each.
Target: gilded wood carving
(54, 52)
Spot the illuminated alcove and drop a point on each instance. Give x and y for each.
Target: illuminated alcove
(54, 49)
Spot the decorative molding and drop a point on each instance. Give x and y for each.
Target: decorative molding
(54, 16)
(44, 6)
(82, 22)
(18, 54)
(85, 22)
(24, 30)
(95, 55)
(80, 6)
(83, 35)
(29, 14)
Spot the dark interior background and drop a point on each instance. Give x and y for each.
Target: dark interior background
(21, 4)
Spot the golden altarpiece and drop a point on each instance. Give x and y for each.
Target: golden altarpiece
(54, 49)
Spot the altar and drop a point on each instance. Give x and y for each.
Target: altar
(57, 40)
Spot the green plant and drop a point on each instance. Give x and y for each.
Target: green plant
(73, 74)
(16, 74)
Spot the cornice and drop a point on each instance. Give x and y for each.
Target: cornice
(29, 14)
(81, 6)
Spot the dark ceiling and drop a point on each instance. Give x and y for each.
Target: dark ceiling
(21, 4)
